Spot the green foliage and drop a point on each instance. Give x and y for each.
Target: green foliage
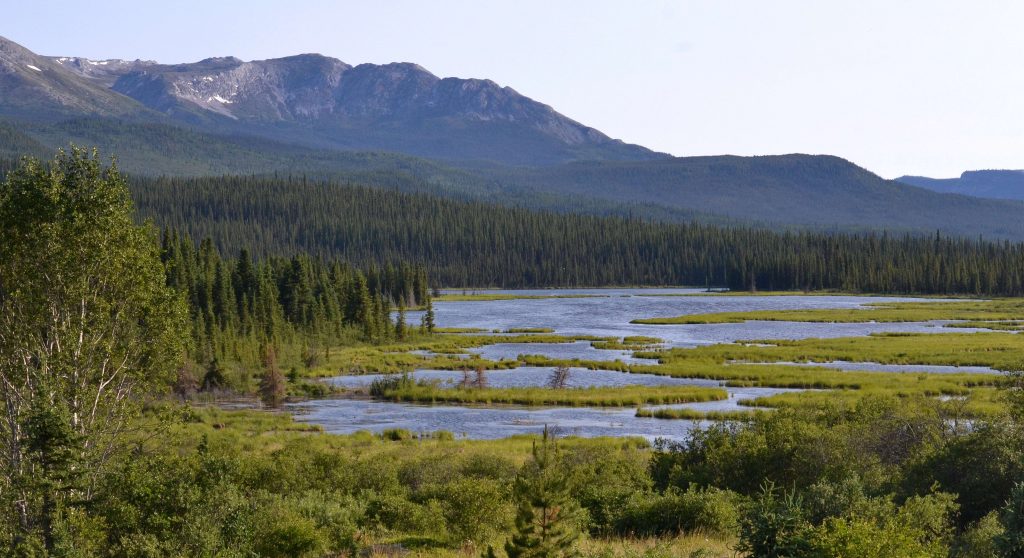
(515, 247)
(300, 306)
(979, 539)
(405, 389)
(773, 526)
(87, 329)
(547, 517)
(710, 511)
(1011, 517)
(980, 466)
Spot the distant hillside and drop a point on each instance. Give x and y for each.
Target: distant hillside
(996, 184)
(803, 191)
(309, 99)
(148, 149)
(809, 190)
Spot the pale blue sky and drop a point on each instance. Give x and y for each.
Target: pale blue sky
(898, 86)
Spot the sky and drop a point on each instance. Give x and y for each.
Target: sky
(898, 86)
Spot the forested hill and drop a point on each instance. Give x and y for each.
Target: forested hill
(813, 192)
(482, 245)
(996, 184)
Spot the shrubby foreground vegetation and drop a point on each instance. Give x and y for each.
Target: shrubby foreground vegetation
(101, 320)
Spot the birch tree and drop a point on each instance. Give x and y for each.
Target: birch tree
(87, 326)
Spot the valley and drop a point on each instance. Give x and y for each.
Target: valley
(290, 305)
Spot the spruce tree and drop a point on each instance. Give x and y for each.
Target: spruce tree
(400, 327)
(547, 518)
(427, 324)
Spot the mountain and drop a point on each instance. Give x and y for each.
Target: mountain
(310, 100)
(803, 191)
(398, 126)
(816, 191)
(39, 88)
(997, 184)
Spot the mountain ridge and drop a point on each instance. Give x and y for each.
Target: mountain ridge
(312, 99)
(1003, 184)
(399, 126)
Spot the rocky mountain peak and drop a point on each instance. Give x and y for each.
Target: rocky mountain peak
(315, 100)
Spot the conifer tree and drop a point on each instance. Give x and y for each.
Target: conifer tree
(214, 377)
(547, 518)
(427, 324)
(400, 327)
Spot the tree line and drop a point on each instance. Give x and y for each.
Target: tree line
(238, 304)
(472, 244)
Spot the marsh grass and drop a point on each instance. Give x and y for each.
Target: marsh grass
(530, 330)
(450, 353)
(694, 414)
(573, 397)
(632, 343)
(1006, 309)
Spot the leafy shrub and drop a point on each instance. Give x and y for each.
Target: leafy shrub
(397, 434)
(863, 538)
(979, 540)
(708, 510)
(381, 386)
(1011, 517)
(475, 510)
(774, 526)
(394, 512)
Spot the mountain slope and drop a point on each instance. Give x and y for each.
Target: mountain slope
(316, 116)
(37, 87)
(810, 190)
(818, 192)
(311, 100)
(323, 102)
(996, 184)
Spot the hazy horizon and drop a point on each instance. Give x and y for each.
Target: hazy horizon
(921, 88)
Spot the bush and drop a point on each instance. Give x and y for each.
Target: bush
(381, 386)
(979, 540)
(1011, 517)
(394, 512)
(287, 538)
(863, 538)
(774, 526)
(825, 499)
(710, 510)
(475, 510)
(397, 434)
